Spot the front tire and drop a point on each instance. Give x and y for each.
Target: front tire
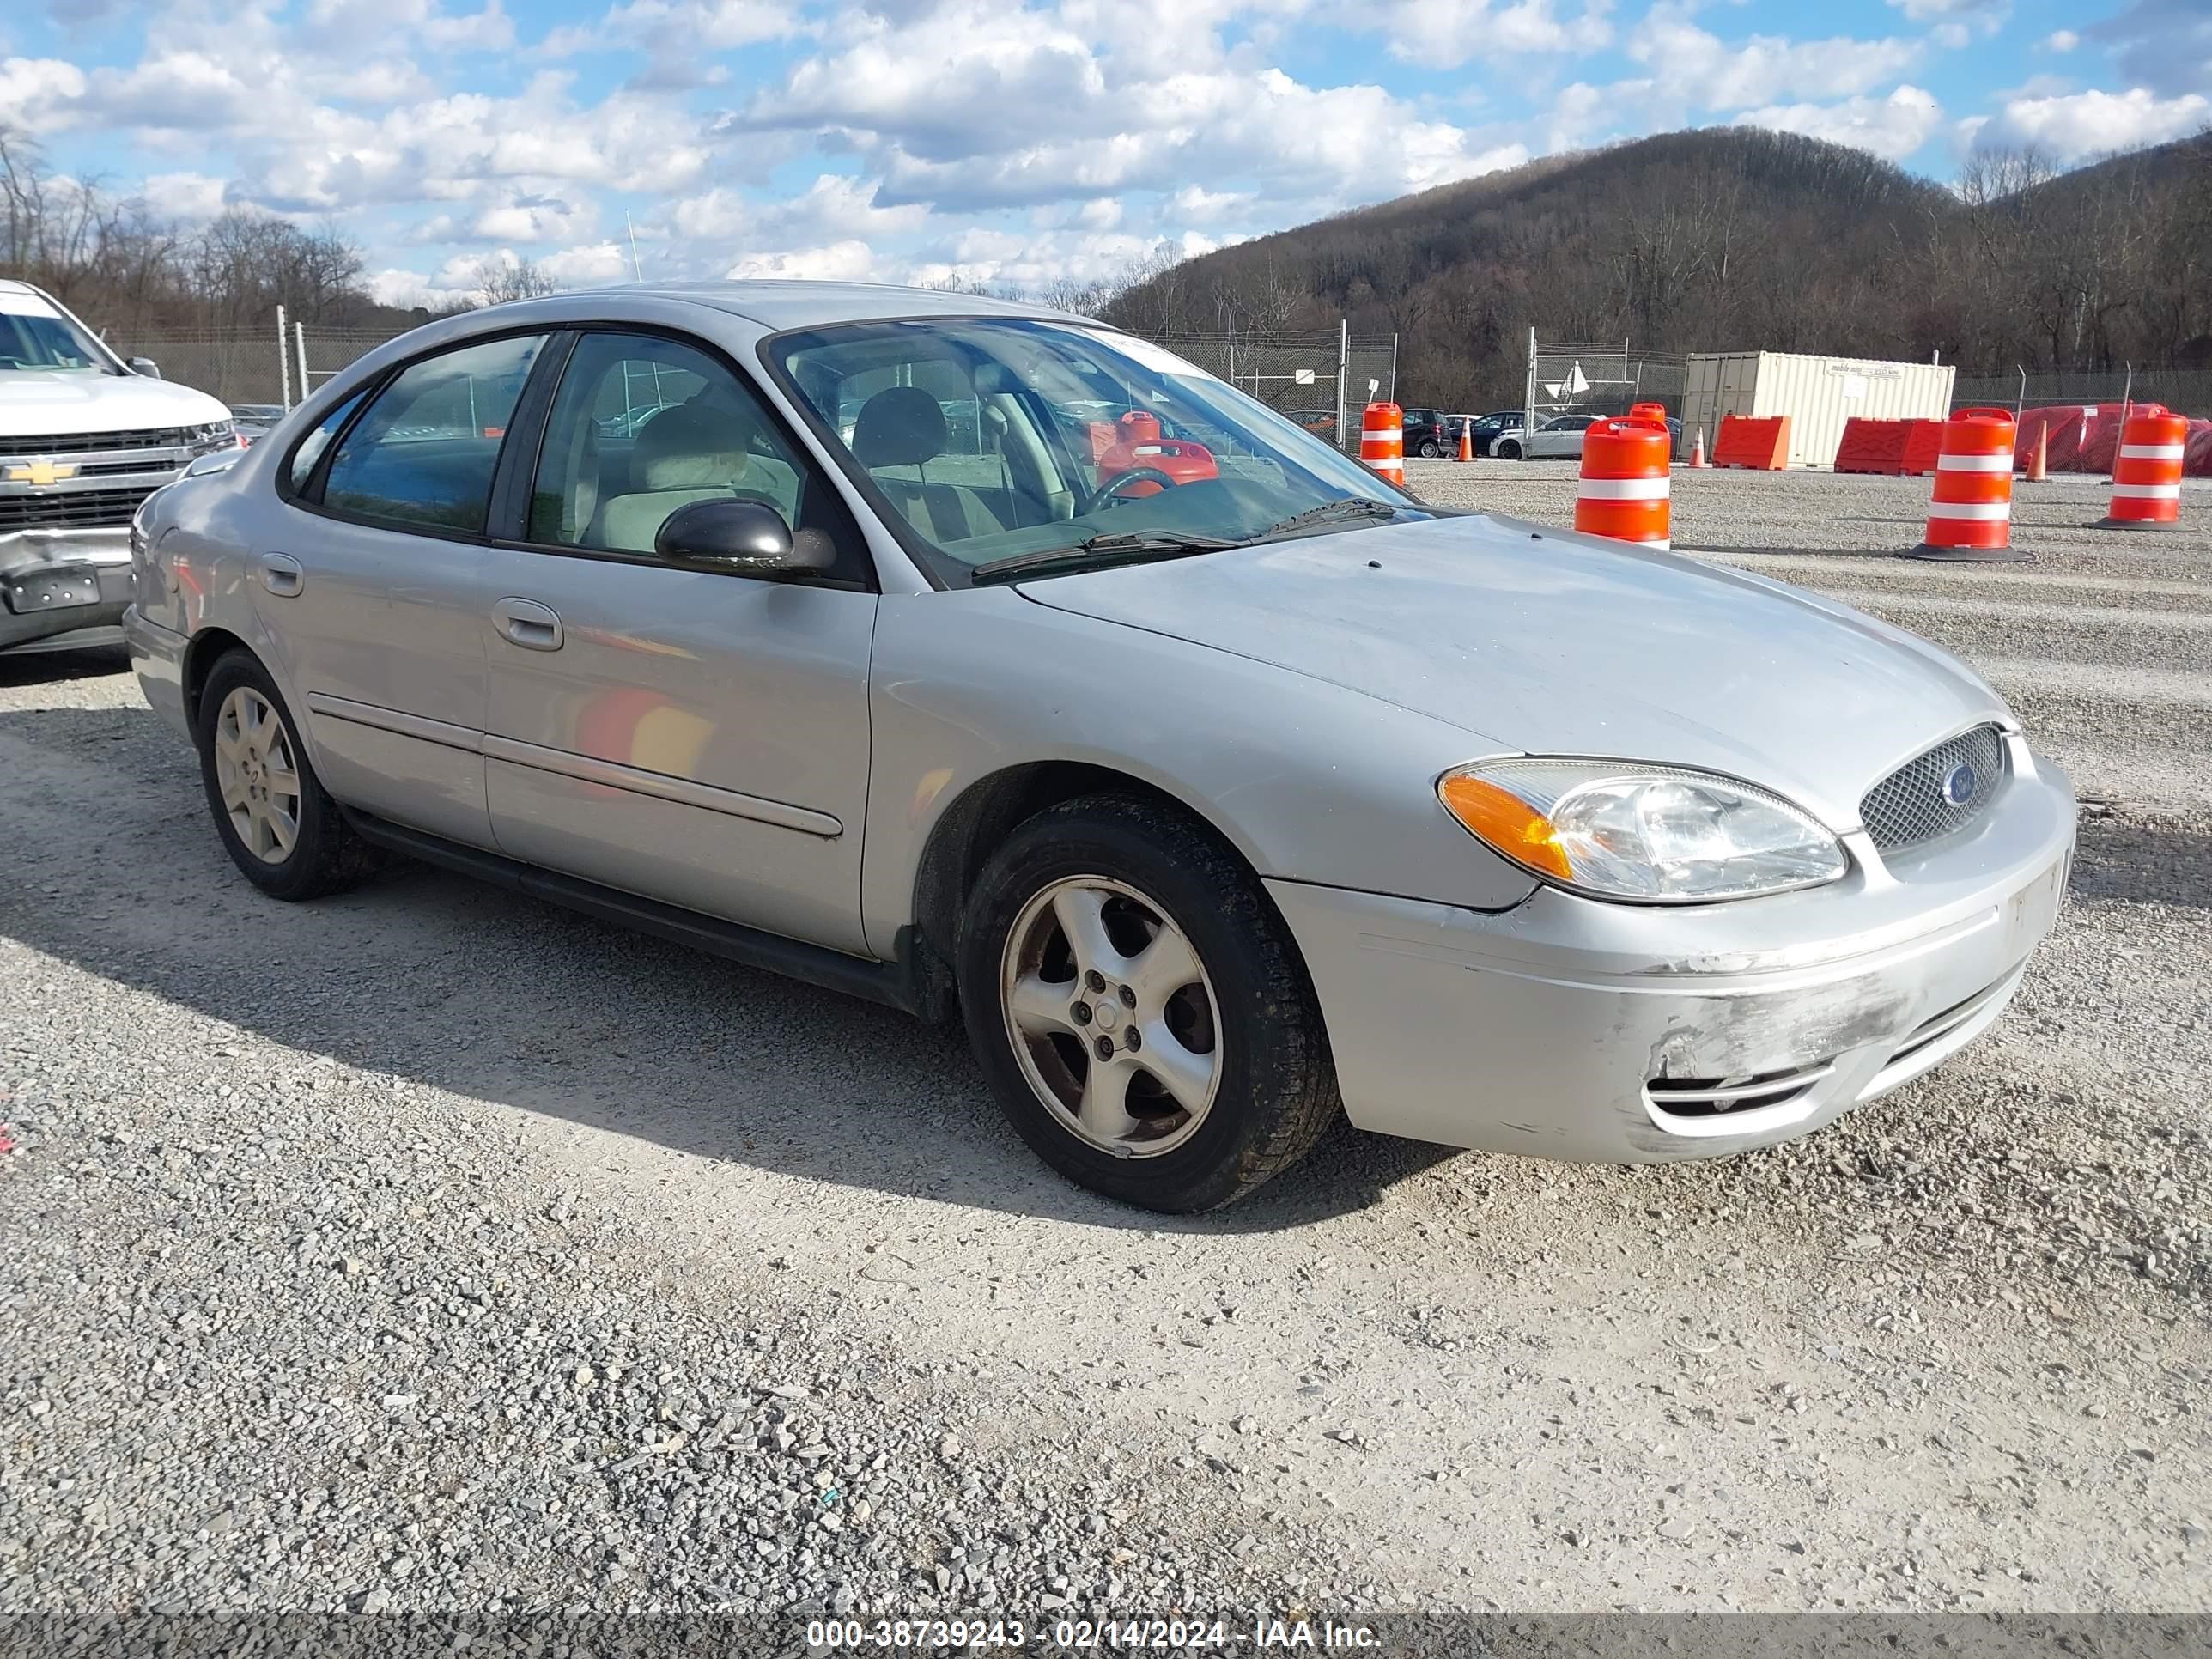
(1508, 451)
(278, 824)
(1139, 1008)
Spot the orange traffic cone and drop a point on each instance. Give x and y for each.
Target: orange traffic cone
(2038, 465)
(1697, 452)
(1467, 440)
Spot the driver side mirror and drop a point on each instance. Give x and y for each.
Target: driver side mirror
(743, 539)
(145, 366)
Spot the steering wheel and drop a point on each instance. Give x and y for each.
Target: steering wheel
(1109, 491)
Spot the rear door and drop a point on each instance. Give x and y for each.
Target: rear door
(375, 597)
(686, 734)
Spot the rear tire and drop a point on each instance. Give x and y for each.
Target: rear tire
(1432, 450)
(1508, 451)
(1171, 937)
(275, 820)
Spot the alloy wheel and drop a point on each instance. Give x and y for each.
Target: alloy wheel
(1111, 1016)
(257, 775)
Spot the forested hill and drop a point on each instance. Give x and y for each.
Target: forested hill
(1736, 239)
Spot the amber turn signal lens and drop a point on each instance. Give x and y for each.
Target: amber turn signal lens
(1501, 819)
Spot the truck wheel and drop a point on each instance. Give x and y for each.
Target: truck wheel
(280, 827)
(1141, 1009)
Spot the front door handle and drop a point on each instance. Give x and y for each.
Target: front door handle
(527, 623)
(282, 575)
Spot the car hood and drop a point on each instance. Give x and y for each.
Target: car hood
(39, 402)
(1540, 641)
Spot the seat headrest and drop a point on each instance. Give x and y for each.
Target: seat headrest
(899, 426)
(692, 447)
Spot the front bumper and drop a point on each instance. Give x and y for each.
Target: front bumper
(57, 585)
(1566, 1028)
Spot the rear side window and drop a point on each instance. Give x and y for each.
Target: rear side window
(422, 455)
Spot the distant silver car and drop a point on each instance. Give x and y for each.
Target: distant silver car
(1218, 784)
(1560, 438)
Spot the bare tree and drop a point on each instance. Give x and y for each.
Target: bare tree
(510, 278)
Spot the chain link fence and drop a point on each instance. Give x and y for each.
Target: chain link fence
(246, 367)
(2185, 391)
(1599, 378)
(1323, 381)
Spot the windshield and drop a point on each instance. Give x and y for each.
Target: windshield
(1000, 438)
(32, 337)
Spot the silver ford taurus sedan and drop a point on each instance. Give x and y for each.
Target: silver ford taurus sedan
(964, 655)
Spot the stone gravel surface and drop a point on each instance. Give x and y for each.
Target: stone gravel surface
(433, 1250)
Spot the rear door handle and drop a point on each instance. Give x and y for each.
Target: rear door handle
(527, 623)
(282, 575)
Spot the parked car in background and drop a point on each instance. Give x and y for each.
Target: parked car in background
(85, 437)
(1219, 793)
(1322, 423)
(1427, 434)
(256, 421)
(1559, 438)
(1485, 429)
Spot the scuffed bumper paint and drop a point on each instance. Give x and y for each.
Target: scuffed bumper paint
(1537, 1029)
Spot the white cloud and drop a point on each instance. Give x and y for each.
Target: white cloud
(1447, 32)
(1987, 12)
(1070, 121)
(679, 36)
(36, 93)
(488, 30)
(594, 266)
(1194, 204)
(1702, 71)
(1892, 127)
(191, 197)
(2075, 126)
(536, 219)
(408, 288)
(2061, 40)
(851, 261)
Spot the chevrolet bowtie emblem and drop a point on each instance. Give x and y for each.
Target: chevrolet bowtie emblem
(41, 473)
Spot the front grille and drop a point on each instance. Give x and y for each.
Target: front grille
(82, 443)
(75, 509)
(1916, 802)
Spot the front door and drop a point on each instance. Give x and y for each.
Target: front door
(685, 734)
(375, 596)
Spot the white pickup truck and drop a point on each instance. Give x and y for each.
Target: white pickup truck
(84, 438)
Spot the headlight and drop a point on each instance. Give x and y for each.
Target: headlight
(217, 434)
(1656, 834)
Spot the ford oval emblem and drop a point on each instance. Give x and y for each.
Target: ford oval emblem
(1959, 784)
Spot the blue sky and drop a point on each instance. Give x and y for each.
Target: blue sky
(995, 140)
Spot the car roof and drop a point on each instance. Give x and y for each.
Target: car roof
(779, 304)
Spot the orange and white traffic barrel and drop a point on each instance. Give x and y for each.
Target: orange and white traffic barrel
(1382, 440)
(1970, 515)
(1627, 479)
(2147, 472)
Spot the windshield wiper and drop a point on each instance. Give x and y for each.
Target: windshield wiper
(1348, 506)
(1115, 547)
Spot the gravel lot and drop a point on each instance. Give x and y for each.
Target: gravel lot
(430, 1248)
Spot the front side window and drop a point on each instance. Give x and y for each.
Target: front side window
(422, 455)
(310, 448)
(995, 438)
(642, 426)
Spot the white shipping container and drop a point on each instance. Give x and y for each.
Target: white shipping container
(1818, 394)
